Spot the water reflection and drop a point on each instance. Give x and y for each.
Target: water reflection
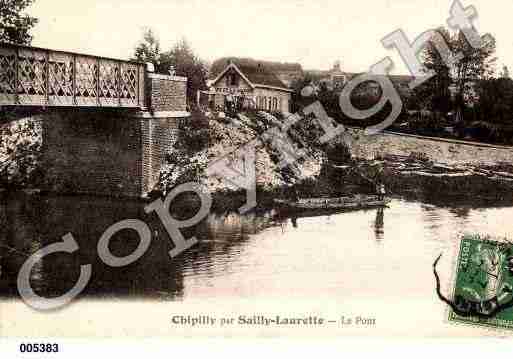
(254, 254)
(379, 224)
(33, 223)
(30, 223)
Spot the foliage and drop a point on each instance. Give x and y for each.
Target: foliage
(475, 64)
(363, 97)
(20, 148)
(496, 101)
(338, 153)
(434, 94)
(187, 161)
(180, 60)
(181, 168)
(15, 26)
(194, 133)
(20, 141)
(148, 50)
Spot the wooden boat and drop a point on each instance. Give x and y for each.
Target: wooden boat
(340, 204)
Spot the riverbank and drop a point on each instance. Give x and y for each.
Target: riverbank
(409, 166)
(435, 181)
(444, 151)
(430, 168)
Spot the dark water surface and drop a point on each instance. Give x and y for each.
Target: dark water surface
(367, 253)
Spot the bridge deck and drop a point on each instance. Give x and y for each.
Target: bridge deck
(33, 76)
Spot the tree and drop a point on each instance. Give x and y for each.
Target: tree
(496, 100)
(184, 62)
(15, 26)
(477, 64)
(461, 77)
(435, 92)
(148, 50)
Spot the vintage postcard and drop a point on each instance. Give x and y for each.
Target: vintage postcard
(255, 169)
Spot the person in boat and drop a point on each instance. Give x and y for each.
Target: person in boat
(379, 182)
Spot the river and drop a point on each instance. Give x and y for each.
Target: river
(376, 263)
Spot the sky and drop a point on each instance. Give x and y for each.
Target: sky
(313, 33)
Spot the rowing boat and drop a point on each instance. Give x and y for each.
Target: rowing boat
(350, 203)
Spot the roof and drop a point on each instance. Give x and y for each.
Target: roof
(257, 74)
(273, 66)
(318, 75)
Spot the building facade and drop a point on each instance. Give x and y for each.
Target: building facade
(249, 86)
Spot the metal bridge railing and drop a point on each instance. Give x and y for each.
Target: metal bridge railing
(41, 77)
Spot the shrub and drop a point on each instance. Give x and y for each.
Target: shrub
(194, 133)
(20, 153)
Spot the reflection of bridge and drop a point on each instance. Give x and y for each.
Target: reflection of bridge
(35, 76)
(106, 124)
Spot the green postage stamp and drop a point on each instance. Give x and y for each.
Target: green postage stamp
(483, 290)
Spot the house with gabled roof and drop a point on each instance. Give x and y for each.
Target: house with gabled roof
(249, 85)
(287, 72)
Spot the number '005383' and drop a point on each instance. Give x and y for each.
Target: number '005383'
(39, 348)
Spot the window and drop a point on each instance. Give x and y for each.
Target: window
(270, 104)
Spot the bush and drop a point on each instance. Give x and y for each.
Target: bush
(20, 154)
(194, 133)
(339, 153)
(182, 169)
